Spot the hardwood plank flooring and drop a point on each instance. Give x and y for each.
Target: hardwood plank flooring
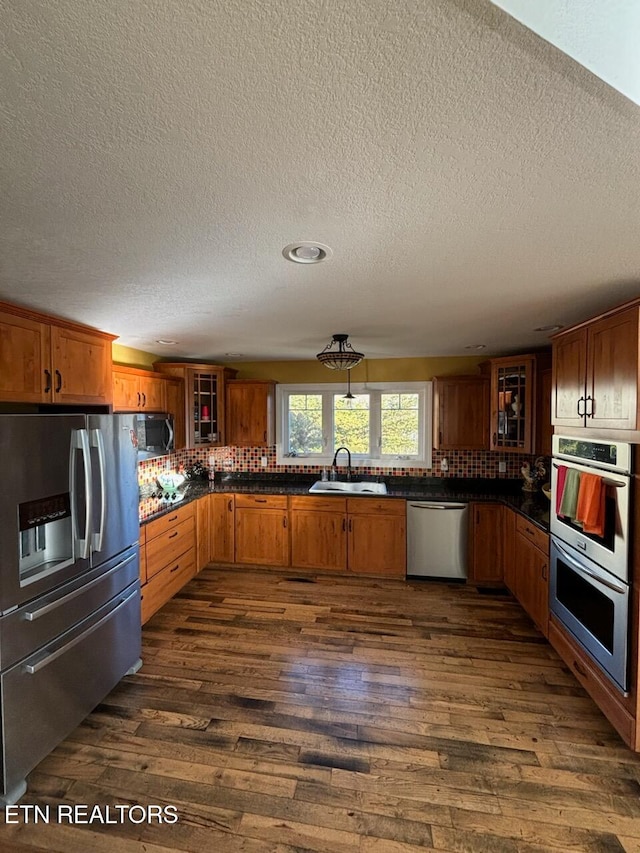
(280, 713)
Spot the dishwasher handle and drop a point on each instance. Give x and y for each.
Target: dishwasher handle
(458, 507)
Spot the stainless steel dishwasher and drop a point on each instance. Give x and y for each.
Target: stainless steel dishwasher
(436, 539)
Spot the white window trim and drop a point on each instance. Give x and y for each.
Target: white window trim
(424, 460)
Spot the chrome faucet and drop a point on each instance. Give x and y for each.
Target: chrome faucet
(335, 456)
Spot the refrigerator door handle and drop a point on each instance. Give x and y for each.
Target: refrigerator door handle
(97, 441)
(80, 441)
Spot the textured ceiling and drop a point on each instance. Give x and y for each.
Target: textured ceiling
(473, 181)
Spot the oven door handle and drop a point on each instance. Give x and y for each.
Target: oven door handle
(605, 480)
(581, 569)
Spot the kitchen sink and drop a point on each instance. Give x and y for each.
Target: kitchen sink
(365, 488)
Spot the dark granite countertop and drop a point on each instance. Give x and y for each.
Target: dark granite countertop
(533, 506)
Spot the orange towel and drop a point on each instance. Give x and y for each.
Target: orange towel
(590, 508)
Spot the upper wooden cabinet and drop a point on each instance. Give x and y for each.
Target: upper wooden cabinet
(204, 392)
(512, 403)
(174, 393)
(138, 390)
(46, 360)
(595, 373)
(461, 413)
(250, 412)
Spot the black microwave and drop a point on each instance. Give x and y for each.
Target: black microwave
(155, 435)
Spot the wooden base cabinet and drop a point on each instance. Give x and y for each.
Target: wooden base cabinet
(319, 533)
(169, 557)
(487, 543)
(377, 537)
(203, 531)
(365, 536)
(532, 572)
(222, 527)
(262, 534)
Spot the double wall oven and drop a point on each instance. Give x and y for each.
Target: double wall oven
(590, 572)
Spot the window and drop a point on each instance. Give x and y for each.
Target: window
(385, 424)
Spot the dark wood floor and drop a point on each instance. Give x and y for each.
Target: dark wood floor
(283, 713)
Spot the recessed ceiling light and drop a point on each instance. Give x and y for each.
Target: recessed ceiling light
(553, 328)
(166, 343)
(306, 252)
(476, 346)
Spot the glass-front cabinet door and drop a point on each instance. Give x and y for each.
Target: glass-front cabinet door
(512, 383)
(206, 409)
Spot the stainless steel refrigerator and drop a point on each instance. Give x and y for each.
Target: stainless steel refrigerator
(69, 580)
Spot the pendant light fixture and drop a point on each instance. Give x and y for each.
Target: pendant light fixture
(339, 354)
(349, 396)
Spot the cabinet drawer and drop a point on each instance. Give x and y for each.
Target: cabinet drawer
(164, 549)
(538, 537)
(166, 583)
(159, 525)
(376, 506)
(261, 501)
(313, 504)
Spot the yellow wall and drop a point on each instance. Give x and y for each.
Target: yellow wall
(132, 357)
(370, 370)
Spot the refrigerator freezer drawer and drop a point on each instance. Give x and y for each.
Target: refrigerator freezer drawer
(39, 622)
(49, 693)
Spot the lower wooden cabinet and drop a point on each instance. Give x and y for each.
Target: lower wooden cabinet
(365, 536)
(532, 572)
(486, 547)
(262, 534)
(319, 533)
(222, 527)
(203, 531)
(168, 555)
(377, 537)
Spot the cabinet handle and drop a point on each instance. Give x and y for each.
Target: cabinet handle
(230, 505)
(174, 569)
(265, 436)
(589, 412)
(580, 669)
(580, 414)
(284, 521)
(173, 518)
(440, 437)
(173, 535)
(544, 571)
(59, 382)
(47, 386)
(350, 526)
(344, 525)
(144, 399)
(260, 500)
(495, 439)
(139, 401)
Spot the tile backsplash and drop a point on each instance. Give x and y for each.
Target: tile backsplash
(462, 463)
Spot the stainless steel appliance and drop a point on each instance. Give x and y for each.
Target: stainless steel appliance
(69, 587)
(154, 433)
(437, 539)
(590, 575)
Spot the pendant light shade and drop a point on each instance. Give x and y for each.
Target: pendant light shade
(339, 354)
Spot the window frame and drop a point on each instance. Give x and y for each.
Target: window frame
(424, 458)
